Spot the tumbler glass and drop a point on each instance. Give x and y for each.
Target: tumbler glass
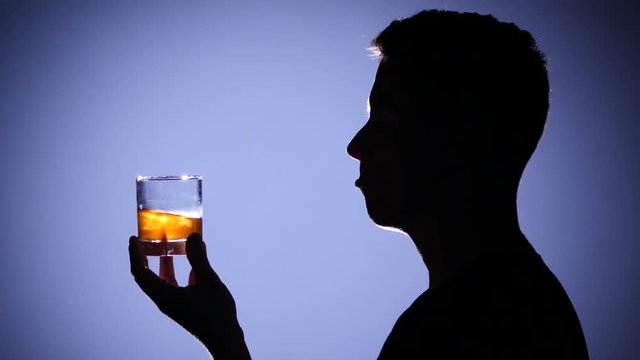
(169, 209)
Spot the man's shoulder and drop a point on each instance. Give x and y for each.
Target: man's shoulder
(511, 304)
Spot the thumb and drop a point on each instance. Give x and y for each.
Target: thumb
(197, 256)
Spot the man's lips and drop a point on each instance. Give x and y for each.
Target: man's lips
(361, 182)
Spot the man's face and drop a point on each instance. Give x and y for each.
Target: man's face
(385, 170)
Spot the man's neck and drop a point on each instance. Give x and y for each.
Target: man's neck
(452, 240)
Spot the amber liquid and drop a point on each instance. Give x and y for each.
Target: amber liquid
(163, 234)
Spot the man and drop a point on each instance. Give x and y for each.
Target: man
(457, 108)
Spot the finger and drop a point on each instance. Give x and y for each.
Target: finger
(158, 290)
(192, 277)
(167, 272)
(136, 260)
(135, 255)
(197, 256)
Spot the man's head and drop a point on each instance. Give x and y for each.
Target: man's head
(456, 95)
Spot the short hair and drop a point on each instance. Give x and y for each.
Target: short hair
(491, 71)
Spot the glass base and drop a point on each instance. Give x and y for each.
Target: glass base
(162, 248)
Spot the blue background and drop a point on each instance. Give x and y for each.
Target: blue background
(261, 98)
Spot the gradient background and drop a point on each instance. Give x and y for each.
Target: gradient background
(261, 98)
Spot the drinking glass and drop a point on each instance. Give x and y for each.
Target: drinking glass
(169, 209)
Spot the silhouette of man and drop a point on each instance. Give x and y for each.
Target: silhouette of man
(457, 108)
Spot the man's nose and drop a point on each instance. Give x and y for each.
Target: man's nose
(354, 149)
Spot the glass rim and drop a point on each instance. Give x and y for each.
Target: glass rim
(168, 177)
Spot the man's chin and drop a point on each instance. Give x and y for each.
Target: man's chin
(392, 229)
(385, 219)
(396, 217)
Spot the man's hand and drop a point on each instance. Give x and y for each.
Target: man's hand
(205, 307)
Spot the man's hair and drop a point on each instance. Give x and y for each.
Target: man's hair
(472, 65)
